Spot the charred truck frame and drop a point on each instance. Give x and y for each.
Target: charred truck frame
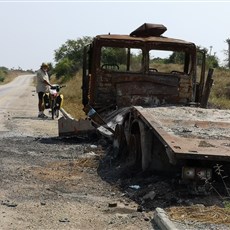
(155, 110)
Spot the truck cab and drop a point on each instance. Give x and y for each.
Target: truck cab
(143, 68)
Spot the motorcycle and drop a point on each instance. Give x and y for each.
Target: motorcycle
(54, 100)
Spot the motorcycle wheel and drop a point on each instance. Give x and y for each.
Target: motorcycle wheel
(52, 109)
(57, 113)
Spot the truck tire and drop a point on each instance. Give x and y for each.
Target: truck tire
(134, 151)
(119, 142)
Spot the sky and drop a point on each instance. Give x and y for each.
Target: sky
(31, 31)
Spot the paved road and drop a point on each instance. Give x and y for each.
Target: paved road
(18, 109)
(10, 94)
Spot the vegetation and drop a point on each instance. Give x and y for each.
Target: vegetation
(69, 57)
(220, 92)
(178, 57)
(69, 60)
(3, 73)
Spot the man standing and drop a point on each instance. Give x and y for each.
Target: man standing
(42, 88)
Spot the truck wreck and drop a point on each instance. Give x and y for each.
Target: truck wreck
(153, 109)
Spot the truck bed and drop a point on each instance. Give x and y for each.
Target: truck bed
(191, 132)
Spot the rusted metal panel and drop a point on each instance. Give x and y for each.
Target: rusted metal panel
(145, 88)
(163, 79)
(144, 93)
(149, 29)
(191, 132)
(164, 40)
(125, 89)
(207, 89)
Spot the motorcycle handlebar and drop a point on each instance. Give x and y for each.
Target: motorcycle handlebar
(57, 87)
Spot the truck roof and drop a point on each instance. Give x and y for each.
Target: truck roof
(145, 39)
(146, 33)
(151, 39)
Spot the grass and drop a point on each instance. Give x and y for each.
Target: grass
(220, 93)
(199, 214)
(227, 205)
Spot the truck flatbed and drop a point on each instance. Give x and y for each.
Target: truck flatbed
(191, 132)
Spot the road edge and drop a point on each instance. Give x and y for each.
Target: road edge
(162, 220)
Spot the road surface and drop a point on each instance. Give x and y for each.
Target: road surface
(19, 109)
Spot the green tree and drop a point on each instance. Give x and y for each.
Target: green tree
(113, 55)
(69, 56)
(176, 58)
(3, 73)
(211, 60)
(64, 68)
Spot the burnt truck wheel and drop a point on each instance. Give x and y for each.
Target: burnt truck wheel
(134, 151)
(119, 142)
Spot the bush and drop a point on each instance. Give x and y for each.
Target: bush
(2, 74)
(220, 92)
(2, 79)
(64, 69)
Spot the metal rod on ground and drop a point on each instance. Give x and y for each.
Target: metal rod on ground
(65, 114)
(97, 119)
(207, 89)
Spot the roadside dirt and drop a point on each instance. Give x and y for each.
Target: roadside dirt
(48, 182)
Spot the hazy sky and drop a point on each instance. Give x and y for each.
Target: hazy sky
(32, 30)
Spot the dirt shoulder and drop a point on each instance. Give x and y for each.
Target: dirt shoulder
(48, 183)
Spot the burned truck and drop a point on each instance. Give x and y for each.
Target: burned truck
(149, 94)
